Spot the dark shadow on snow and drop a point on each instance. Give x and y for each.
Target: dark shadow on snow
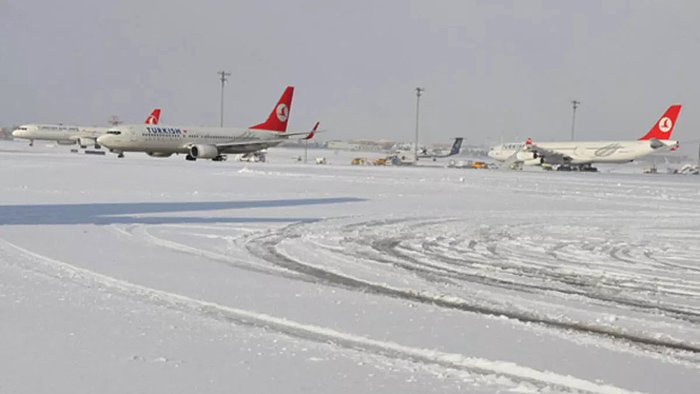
(129, 213)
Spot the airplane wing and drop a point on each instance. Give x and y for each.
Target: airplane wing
(262, 144)
(548, 155)
(257, 144)
(307, 135)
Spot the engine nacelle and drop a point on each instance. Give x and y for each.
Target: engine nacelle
(526, 156)
(84, 142)
(204, 151)
(533, 162)
(159, 154)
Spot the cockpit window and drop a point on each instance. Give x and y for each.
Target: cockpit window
(23, 128)
(114, 132)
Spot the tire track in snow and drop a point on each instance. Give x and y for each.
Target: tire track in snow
(577, 285)
(265, 247)
(517, 373)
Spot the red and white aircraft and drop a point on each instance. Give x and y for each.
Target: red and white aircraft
(581, 155)
(200, 142)
(70, 135)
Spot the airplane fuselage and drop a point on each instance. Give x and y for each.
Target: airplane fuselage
(166, 140)
(63, 134)
(583, 152)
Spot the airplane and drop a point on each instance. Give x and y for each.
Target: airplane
(456, 147)
(70, 135)
(201, 142)
(580, 155)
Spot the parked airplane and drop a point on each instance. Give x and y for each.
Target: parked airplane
(581, 155)
(456, 146)
(199, 142)
(69, 135)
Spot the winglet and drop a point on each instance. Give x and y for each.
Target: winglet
(277, 120)
(663, 128)
(154, 117)
(313, 132)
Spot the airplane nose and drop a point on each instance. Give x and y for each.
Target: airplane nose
(18, 133)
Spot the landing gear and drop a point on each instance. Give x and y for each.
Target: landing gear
(189, 157)
(31, 142)
(120, 155)
(587, 168)
(219, 158)
(581, 168)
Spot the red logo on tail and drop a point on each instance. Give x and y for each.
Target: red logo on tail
(153, 117)
(277, 121)
(664, 126)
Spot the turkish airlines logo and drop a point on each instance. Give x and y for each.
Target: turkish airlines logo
(151, 120)
(282, 112)
(608, 150)
(665, 124)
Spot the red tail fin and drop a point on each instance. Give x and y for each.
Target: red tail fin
(663, 128)
(277, 121)
(153, 117)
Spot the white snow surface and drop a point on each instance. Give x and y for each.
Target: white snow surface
(166, 276)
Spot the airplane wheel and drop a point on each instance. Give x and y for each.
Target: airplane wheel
(190, 157)
(120, 155)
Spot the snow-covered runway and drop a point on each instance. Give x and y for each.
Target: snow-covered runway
(160, 275)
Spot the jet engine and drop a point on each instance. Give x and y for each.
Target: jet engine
(84, 142)
(526, 155)
(204, 151)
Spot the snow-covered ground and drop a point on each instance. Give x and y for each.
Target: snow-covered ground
(162, 276)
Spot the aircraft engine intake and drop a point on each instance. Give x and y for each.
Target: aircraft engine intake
(204, 151)
(526, 155)
(84, 142)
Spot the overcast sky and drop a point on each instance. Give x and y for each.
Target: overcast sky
(490, 69)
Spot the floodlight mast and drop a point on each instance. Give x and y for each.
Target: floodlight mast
(575, 104)
(223, 78)
(419, 92)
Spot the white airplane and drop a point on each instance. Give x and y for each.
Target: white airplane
(69, 135)
(581, 155)
(456, 147)
(199, 142)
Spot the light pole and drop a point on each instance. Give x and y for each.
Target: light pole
(419, 92)
(575, 104)
(223, 79)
